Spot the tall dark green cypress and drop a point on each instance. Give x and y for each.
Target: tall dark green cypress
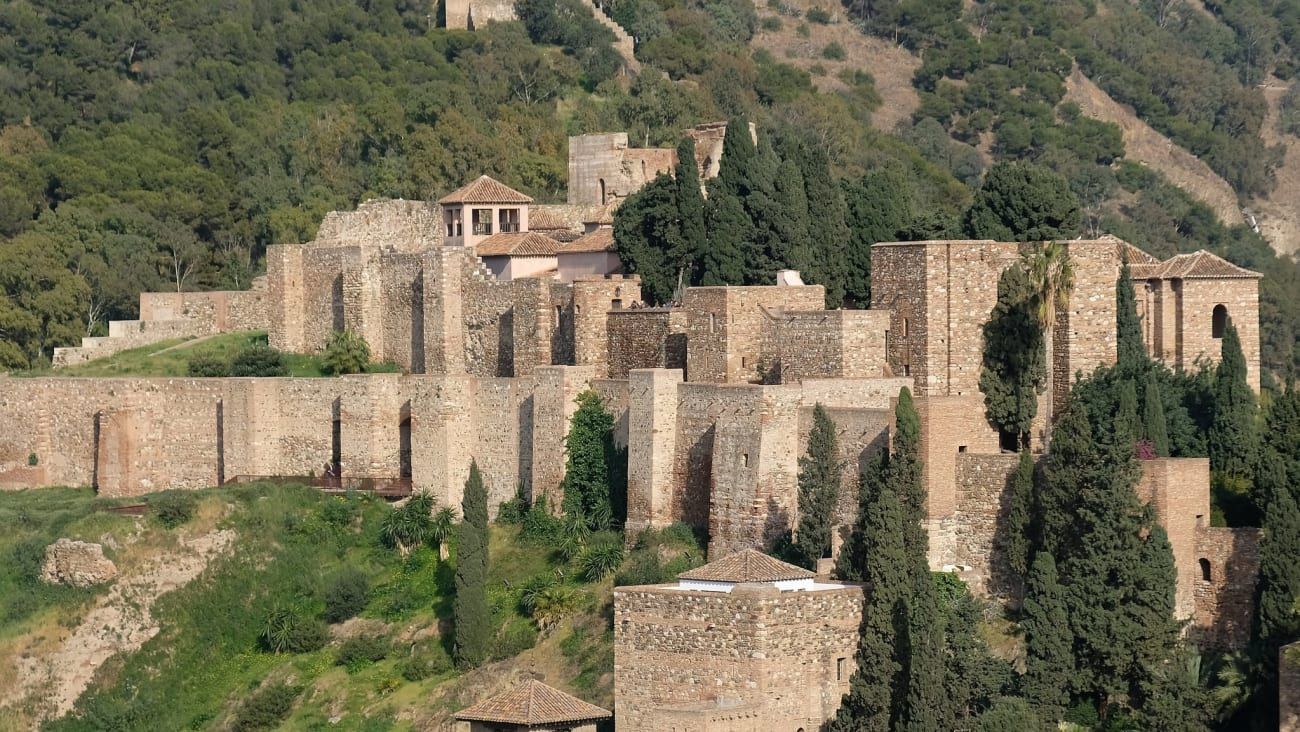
(1154, 428)
(853, 554)
(645, 229)
(1132, 355)
(789, 243)
(1020, 516)
(690, 211)
(1234, 438)
(1049, 655)
(877, 208)
(819, 485)
(905, 473)
(1127, 425)
(1014, 367)
(729, 230)
(472, 615)
(927, 706)
(828, 228)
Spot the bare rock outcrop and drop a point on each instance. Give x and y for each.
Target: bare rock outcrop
(76, 563)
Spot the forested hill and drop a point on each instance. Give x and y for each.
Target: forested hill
(148, 145)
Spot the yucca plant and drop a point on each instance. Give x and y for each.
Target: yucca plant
(600, 561)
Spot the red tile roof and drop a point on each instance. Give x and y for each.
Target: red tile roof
(533, 703)
(747, 565)
(539, 219)
(600, 240)
(517, 244)
(1197, 265)
(485, 190)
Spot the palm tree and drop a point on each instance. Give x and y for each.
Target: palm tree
(443, 524)
(1051, 276)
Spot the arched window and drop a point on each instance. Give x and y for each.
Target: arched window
(1205, 569)
(1218, 321)
(602, 191)
(905, 324)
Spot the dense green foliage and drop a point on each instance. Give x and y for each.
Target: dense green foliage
(1014, 369)
(819, 489)
(473, 628)
(346, 353)
(1023, 202)
(595, 469)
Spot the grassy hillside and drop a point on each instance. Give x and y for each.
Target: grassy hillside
(173, 357)
(296, 565)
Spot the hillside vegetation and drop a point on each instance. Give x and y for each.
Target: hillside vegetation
(309, 620)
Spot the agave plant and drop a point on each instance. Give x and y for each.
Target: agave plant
(600, 561)
(411, 525)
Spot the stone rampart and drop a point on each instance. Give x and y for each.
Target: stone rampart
(1228, 562)
(646, 338)
(823, 344)
(724, 327)
(686, 655)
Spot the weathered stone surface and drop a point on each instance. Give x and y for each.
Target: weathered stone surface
(76, 563)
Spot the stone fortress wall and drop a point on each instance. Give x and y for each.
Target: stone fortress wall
(712, 397)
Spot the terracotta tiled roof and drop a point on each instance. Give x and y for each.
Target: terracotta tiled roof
(600, 240)
(539, 219)
(1197, 265)
(561, 235)
(602, 215)
(517, 244)
(747, 565)
(533, 703)
(1131, 254)
(485, 190)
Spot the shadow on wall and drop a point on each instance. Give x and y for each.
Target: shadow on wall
(698, 486)
(1226, 575)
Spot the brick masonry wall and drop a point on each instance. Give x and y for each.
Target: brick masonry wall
(1179, 491)
(1225, 602)
(776, 653)
(647, 338)
(593, 300)
(797, 345)
(725, 327)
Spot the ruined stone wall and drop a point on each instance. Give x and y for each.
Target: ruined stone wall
(561, 318)
(216, 312)
(789, 655)
(1225, 602)
(604, 169)
(725, 327)
(1196, 302)
(473, 14)
(407, 226)
(646, 338)
(593, 300)
(797, 345)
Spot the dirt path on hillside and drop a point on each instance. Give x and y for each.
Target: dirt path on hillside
(1145, 145)
(119, 622)
(890, 65)
(1278, 213)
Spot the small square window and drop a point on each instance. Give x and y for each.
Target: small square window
(744, 459)
(961, 448)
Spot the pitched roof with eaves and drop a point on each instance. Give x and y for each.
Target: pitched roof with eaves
(600, 240)
(517, 244)
(747, 565)
(533, 703)
(485, 189)
(1197, 265)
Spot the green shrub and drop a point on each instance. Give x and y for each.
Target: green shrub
(515, 510)
(817, 70)
(259, 360)
(771, 23)
(516, 637)
(644, 568)
(27, 556)
(346, 353)
(287, 630)
(1009, 713)
(803, 31)
(818, 15)
(202, 364)
(427, 660)
(265, 708)
(1289, 111)
(833, 51)
(600, 561)
(340, 512)
(173, 508)
(346, 595)
(362, 650)
(539, 525)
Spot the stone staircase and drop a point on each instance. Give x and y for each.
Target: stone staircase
(623, 43)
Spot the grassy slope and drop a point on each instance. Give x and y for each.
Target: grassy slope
(291, 542)
(172, 357)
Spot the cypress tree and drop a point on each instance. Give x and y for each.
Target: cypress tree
(1049, 657)
(690, 211)
(645, 230)
(1127, 426)
(828, 228)
(1276, 623)
(1132, 355)
(1014, 369)
(589, 461)
(736, 165)
(788, 242)
(729, 230)
(877, 207)
(905, 474)
(472, 614)
(819, 483)
(1234, 439)
(853, 554)
(1020, 517)
(1023, 202)
(1153, 417)
(928, 708)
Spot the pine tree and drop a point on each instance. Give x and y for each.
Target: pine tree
(1130, 347)
(693, 236)
(589, 462)
(1154, 428)
(1023, 202)
(1234, 439)
(1049, 658)
(1020, 517)
(819, 483)
(472, 614)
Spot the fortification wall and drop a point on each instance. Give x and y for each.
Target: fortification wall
(978, 527)
(798, 345)
(789, 655)
(1179, 491)
(861, 435)
(648, 338)
(1225, 591)
(1196, 303)
(603, 169)
(593, 299)
(1084, 337)
(216, 312)
(899, 287)
(407, 226)
(725, 327)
